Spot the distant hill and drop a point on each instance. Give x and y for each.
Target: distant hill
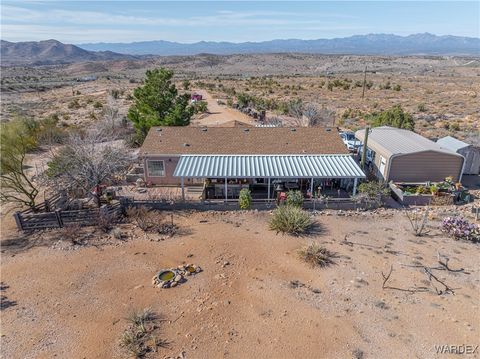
(372, 44)
(50, 52)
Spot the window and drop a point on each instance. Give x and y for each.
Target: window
(156, 168)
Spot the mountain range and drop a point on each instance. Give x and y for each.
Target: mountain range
(51, 52)
(372, 44)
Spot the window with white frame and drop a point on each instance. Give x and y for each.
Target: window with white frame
(156, 168)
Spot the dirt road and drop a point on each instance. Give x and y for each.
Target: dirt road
(219, 114)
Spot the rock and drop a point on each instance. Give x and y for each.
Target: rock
(173, 284)
(178, 278)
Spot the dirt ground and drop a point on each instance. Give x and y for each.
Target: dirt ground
(254, 299)
(441, 93)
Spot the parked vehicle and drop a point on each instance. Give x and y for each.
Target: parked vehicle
(350, 141)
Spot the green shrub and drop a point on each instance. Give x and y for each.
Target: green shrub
(97, 104)
(200, 107)
(245, 198)
(295, 198)
(291, 220)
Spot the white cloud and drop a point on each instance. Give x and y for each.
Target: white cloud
(23, 24)
(223, 17)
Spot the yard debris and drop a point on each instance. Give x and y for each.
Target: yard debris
(169, 278)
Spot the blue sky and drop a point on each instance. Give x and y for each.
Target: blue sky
(235, 21)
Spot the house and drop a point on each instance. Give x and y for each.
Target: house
(404, 156)
(226, 159)
(471, 153)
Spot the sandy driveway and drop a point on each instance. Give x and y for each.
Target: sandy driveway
(219, 114)
(255, 298)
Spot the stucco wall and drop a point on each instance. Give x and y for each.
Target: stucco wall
(170, 163)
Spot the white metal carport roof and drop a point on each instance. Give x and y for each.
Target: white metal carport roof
(268, 166)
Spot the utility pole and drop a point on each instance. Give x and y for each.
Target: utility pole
(364, 148)
(364, 81)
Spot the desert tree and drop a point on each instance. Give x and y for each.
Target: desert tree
(17, 185)
(309, 114)
(316, 116)
(87, 161)
(158, 103)
(395, 117)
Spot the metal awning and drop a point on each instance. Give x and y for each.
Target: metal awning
(268, 166)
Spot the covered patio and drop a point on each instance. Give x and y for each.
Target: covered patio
(268, 176)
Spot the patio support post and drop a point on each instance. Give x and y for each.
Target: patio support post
(226, 193)
(183, 189)
(355, 181)
(268, 189)
(311, 189)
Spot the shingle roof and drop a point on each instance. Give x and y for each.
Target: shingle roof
(243, 141)
(395, 141)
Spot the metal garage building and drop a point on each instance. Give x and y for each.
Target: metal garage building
(405, 156)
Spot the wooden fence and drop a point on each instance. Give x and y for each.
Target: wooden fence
(29, 220)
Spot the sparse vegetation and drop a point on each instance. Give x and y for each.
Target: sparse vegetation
(316, 256)
(69, 232)
(143, 217)
(139, 338)
(151, 221)
(421, 107)
(290, 219)
(418, 221)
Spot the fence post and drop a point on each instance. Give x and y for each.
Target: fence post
(58, 214)
(18, 220)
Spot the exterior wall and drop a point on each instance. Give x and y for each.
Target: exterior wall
(424, 166)
(376, 163)
(472, 160)
(170, 163)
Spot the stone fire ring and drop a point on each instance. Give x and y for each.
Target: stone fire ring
(168, 278)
